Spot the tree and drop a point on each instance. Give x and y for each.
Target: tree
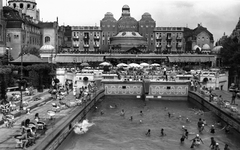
(230, 54)
(6, 58)
(30, 50)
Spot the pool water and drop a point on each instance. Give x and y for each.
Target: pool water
(115, 132)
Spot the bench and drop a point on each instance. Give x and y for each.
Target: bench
(9, 89)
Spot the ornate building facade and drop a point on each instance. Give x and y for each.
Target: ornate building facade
(2, 31)
(21, 30)
(27, 7)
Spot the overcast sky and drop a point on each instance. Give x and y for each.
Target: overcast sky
(218, 16)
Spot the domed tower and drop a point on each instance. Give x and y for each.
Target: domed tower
(146, 29)
(28, 7)
(126, 22)
(125, 10)
(109, 28)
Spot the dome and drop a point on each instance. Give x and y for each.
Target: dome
(128, 34)
(206, 46)
(195, 47)
(125, 7)
(33, 1)
(217, 49)
(108, 17)
(47, 48)
(146, 14)
(128, 38)
(108, 14)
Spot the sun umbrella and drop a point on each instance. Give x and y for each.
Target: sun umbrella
(155, 64)
(134, 65)
(105, 64)
(144, 64)
(84, 64)
(122, 65)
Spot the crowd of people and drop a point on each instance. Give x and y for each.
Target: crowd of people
(30, 131)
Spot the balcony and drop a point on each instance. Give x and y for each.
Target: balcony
(179, 38)
(96, 45)
(169, 46)
(86, 37)
(86, 45)
(159, 38)
(179, 45)
(96, 37)
(169, 38)
(75, 38)
(75, 45)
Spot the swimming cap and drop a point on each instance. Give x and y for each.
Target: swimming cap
(197, 135)
(216, 143)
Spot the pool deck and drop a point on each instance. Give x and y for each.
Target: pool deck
(226, 95)
(7, 140)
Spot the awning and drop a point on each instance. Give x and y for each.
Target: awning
(190, 59)
(75, 59)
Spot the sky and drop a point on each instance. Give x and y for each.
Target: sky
(218, 16)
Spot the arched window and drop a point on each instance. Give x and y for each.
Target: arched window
(28, 6)
(21, 5)
(47, 39)
(14, 5)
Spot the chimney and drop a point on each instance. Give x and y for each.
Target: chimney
(57, 19)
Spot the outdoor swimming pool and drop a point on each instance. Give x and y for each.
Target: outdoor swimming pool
(114, 132)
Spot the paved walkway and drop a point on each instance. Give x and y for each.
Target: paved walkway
(226, 95)
(29, 99)
(7, 140)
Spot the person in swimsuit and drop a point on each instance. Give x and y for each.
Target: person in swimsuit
(212, 129)
(213, 143)
(162, 132)
(148, 132)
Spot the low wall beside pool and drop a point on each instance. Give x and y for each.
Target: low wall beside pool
(65, 125)
(232, 118)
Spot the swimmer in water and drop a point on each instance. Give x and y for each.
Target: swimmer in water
(140, 121)
(148, 132)
(196, 141)
(141, 113)
(179, 117)
(122, 113)
(217, 147)
(169, 115)
(182, 139)
(186, 134)
(162, 132)
(183, 128)
(187, 120)
(204, 122)
(226, 147)
(101, 112)
(131, 118)
(165, 108)
(213, 143)
(212, 129)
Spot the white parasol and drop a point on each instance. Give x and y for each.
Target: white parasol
(105, 64)
(155, 64)
(122, 65)
(144, 64)
(134, 65)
